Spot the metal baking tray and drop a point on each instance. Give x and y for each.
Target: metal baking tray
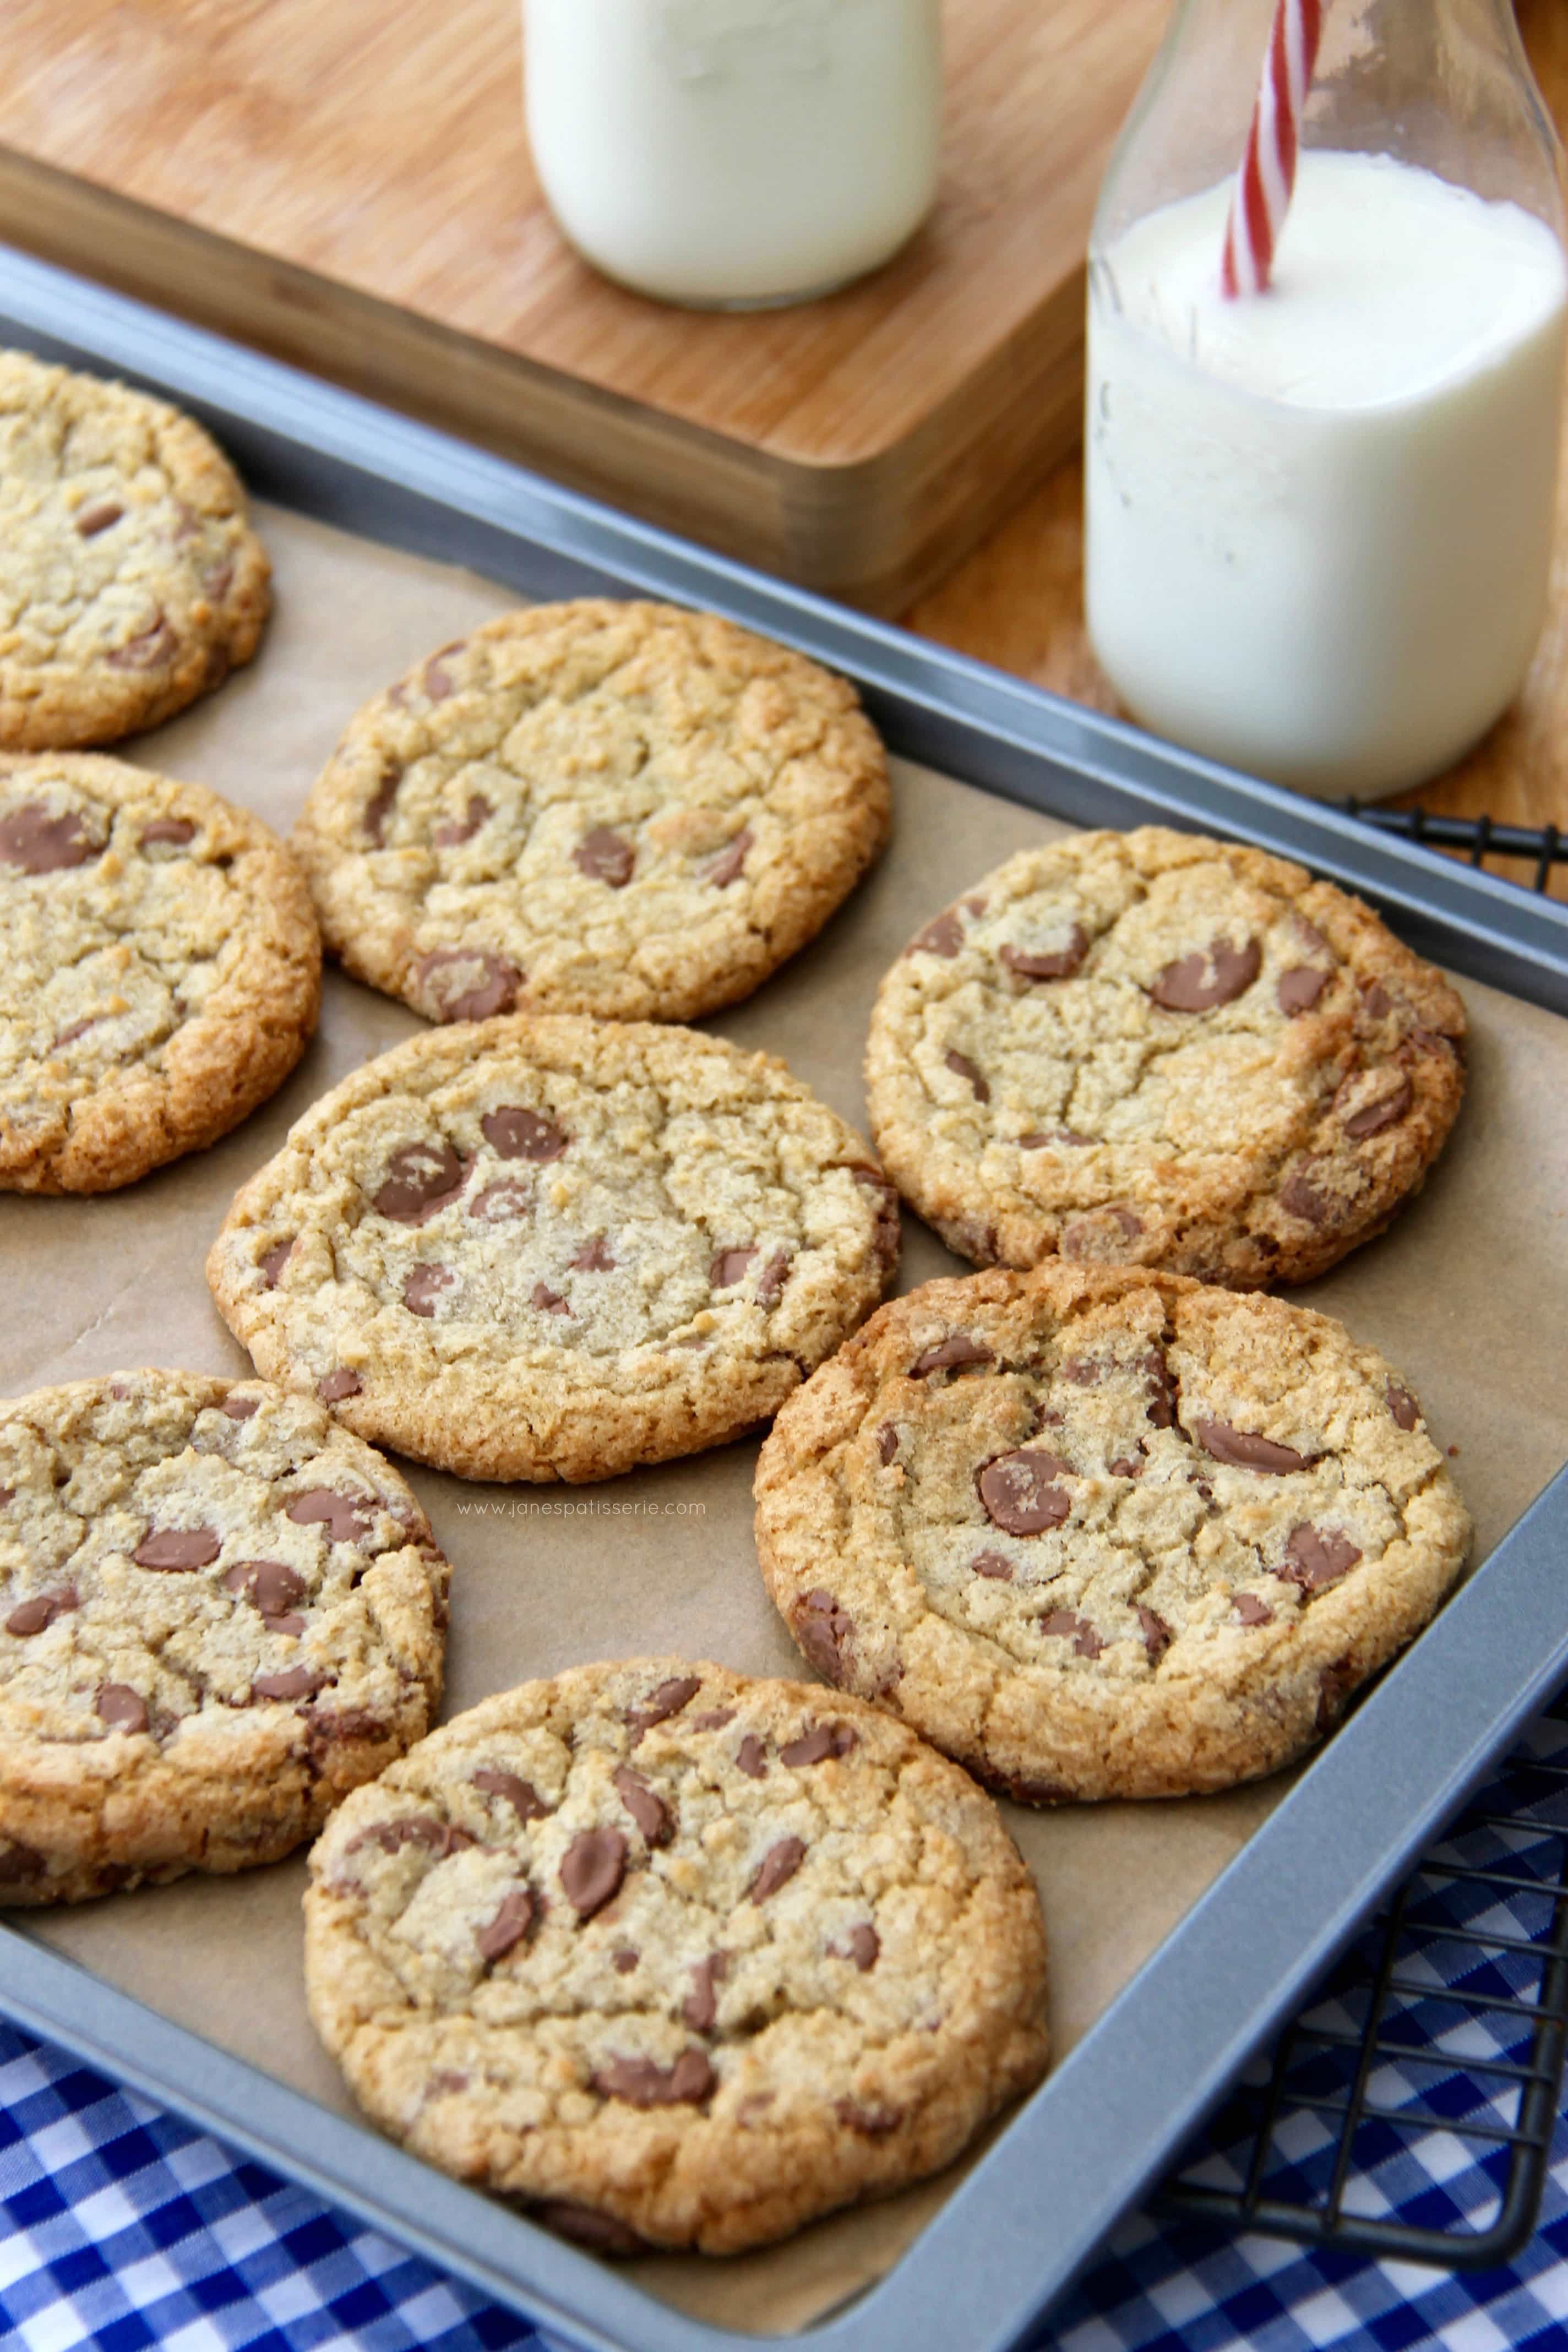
(1109, 2119)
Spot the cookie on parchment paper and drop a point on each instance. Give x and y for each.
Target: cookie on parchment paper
(1103, 1532)
(131, 581)
(545, 1247)
(1152, 1048)
(219, 1611)
(680, 1958)
(162, 971)
(619, 809)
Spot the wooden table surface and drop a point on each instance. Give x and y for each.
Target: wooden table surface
(1017, 602)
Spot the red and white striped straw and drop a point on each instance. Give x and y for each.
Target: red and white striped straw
(1262, 194)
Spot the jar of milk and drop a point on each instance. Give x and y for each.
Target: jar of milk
(735, 153)
(1320, 517)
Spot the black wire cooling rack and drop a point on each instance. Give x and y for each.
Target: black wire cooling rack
(1543, 846)
(1438, 2043)
(1432, 2053)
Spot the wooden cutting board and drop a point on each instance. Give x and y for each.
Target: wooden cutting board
(347, 185)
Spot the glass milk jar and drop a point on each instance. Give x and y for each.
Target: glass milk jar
(735, 153)
(1319, 516)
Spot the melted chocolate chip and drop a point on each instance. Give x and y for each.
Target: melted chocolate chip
(1160, 1390)
(580, 2225)
(942, 937)
(604, 857)
(714, 1720)
(690, 2083)
(667, 1699)
(814, 1746)
(521, 1795)
(1068, 1626)
(177, 1548)
(548, 1301)
(1299, 988)
(467, 983)
(1377, 1000)
(624, 1959)
(871, 2123)
(1196, 983)
(379, 806)
(102, 515)
(1244, 1450)
(1386, 1111)
(509, 1926)
(729, 1266)
(336, 1388)
(772, 1280)
(592, 1869)
(886, 1444)
(951, 1355)
(700, 2007)
(751, 1757)
(421, 1180)
(457, 830)
(424, 1285)
(1253, 1611)
(1335, 1685)
(1315, 1558)
(150, 648)
(778, 1867)
(1128, 1465)
(1057, 964)
(730, 862)
(514, 1133)
(176, 831)
(120, 1707)
(593, 1257)
(1019, 1496)
(1301, 1198)
(862, 1945)
(295, 1682)
(438, 1837)
(962, 1068)
(36, 1615)
(1407, 1412)
(346, 1517)
(823, 1632)
(269, 1585)
(273, 1263)
(647, 1808)
(1156, 1634)
(504, 1203)
(437, 679)
(36, 842)
(1064, 1135)
(239, 1408)
(993, 1565)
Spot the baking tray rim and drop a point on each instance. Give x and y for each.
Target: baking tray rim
(1107, 2120)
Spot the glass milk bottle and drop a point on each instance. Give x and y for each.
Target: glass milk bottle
(1319, 516)
(735, 153)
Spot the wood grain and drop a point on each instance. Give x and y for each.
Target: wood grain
(349, 186)
(1018, 601)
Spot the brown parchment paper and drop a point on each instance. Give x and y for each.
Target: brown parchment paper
(1468, 1295)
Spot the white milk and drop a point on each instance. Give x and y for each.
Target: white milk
(735, 151)
(1320, 520)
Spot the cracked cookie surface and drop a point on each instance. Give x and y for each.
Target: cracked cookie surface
(162, 973)
(680, 1957)
(620, 809)
(219, 1611)
(544, 1246)
(131, 581)
(1103, 1532)
(1149, 1048)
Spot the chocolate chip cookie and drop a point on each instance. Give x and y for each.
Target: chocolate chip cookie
(1149, 1048)
(1103, 1532)
(219, 1611)
(162, 971)
(680, 1958)
(131, 581)
(607, 808)
(544, 1246)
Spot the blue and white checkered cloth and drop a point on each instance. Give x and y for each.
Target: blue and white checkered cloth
(122, 2227)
